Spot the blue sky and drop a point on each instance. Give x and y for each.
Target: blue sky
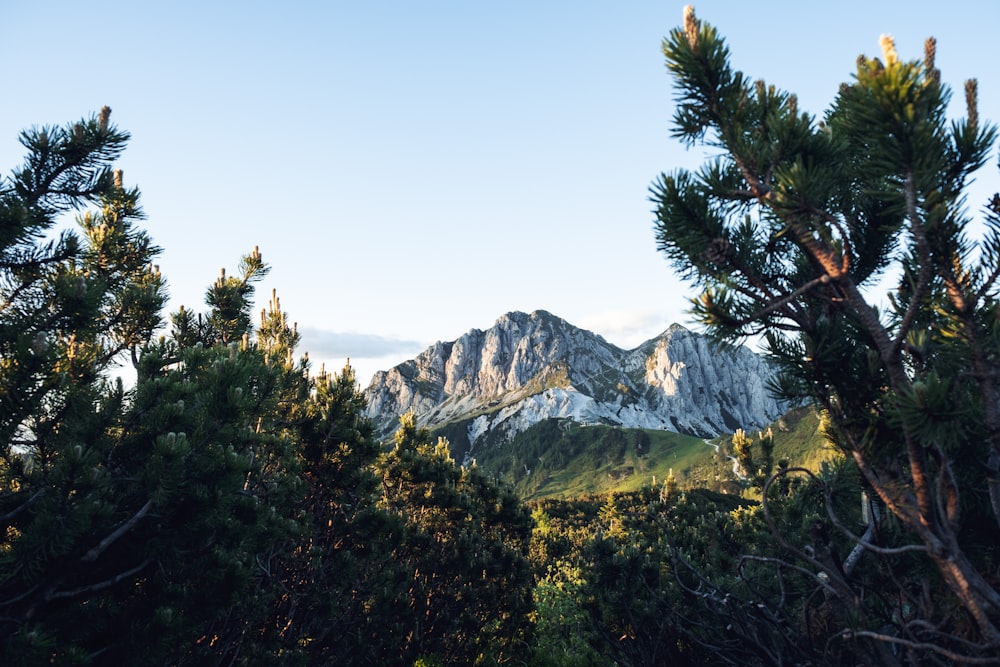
(415, 170)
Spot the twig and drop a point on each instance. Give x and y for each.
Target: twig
(101, 585)
(5, 519)
(102, 546)
(922, 646)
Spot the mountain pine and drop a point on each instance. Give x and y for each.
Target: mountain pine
(788, 232)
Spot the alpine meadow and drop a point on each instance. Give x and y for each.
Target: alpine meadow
(185, 488)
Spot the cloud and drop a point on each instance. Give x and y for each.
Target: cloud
(339, 345)
(627, 328)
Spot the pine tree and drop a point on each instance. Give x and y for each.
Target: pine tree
(789, 230)
(68, 309)
(136, 522)
(342, 594)
(756, 467)
(466, 550)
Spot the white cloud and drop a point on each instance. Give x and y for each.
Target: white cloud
(367, 353)
(627, 328)
(333, 344)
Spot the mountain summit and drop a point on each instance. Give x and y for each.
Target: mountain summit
(531, 367)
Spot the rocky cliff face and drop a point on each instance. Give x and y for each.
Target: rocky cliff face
(529, 367)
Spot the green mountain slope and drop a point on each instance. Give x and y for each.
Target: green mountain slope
(561, 458)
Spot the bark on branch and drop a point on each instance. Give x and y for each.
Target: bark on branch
(103, 545)
(101, 585)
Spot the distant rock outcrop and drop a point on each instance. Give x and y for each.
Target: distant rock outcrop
(530, 367)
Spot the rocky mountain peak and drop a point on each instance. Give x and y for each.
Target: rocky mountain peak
(532, 366)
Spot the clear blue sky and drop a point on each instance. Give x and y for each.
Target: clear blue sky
(412, 170)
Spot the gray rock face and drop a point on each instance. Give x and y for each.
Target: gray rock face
(530, 367)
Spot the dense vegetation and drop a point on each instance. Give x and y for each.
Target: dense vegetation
(562, 458)
(233, 506)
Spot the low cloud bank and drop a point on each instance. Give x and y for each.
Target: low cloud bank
(337, 345)
(368, 353)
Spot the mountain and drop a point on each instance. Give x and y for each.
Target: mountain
(530, 367)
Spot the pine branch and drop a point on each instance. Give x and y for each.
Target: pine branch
(103, 545)
(6, 518)
(926, 265)
(924, 646)
(899, 502)
(988, 284)
(783, 564)
(862, 541)
(947, 493)
(834, 576)
(101, 585)
(788, 298)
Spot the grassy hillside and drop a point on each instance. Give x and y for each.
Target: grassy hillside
(560, 458)
(797, 439)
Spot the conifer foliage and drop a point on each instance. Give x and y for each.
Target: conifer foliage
(224, 508)
(787, 232)
(466, 543)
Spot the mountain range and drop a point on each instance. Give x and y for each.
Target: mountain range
(530, 367)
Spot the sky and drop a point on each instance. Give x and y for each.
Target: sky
(414, 170)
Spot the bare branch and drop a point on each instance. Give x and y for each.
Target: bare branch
(824, 583)
(924, 646)
(861, 540)
(102, 546)
(788, 298)
(833, 575)
(5, 519)
(101, 585)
